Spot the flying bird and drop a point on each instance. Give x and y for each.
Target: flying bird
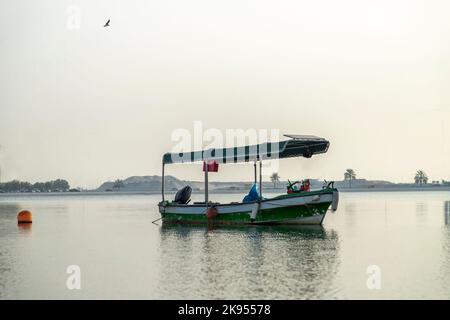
(107, 23)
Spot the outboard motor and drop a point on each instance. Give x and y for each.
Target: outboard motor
(183, 195)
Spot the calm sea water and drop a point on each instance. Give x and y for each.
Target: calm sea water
(122, 255)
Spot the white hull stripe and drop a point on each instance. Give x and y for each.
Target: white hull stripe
(247, 207)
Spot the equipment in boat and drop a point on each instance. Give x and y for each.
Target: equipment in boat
(305, 186)
(252, 195)
(183, 196)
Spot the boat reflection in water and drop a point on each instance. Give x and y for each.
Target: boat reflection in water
(446, 211)
(251, 262)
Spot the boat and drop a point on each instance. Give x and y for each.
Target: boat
(297, 206)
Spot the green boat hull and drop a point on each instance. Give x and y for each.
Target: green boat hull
(286, 214)
(306, 208)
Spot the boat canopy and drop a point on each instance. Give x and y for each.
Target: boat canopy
(296, 146)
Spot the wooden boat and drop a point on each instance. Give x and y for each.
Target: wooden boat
(302, 207)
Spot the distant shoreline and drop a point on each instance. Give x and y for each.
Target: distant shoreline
(279, 190)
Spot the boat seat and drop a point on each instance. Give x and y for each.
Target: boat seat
(203, 202)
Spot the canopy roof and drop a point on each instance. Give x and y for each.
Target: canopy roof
(296, 146)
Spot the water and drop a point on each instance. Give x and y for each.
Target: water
(122, 255)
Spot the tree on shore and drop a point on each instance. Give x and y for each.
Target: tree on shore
(349, 175)
(118, 184)
(275, 178)
(60, 185)
(420, 177)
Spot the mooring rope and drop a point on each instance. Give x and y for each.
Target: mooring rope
(157, 220)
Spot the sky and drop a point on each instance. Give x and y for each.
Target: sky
(88, 104)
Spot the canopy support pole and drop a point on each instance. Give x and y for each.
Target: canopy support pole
(162, 183)
(206, 183)
(254, 165)
(260, 180)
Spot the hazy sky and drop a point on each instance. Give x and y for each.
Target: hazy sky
(95, 103)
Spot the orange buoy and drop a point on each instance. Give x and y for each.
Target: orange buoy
(25, 216)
